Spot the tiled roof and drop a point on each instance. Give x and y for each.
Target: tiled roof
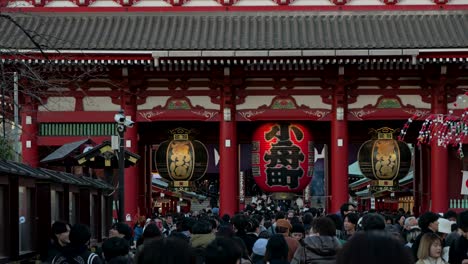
(238, 30)
(16, 168)
(65, 150)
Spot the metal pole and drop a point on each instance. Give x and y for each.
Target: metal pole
(17, 143)
(121, 131)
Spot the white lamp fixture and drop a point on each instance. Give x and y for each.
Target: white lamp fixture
(227, 114)
(339, 113)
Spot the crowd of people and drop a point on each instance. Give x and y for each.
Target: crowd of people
(254, 236)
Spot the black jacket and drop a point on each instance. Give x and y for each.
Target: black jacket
(458, 251)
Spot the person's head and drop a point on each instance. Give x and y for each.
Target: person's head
(430, 246)
(252, 226)
(259, 247)
(298, 231)
(323, 226)
(165, 251)
(225, 230)
(223, 250)
(279, 215)
(450, 215)
(276, 248)
(201, 227)
(410, 222)
(336, 219)
(429, 221)
(240, 222)
(347, 208)
(374, 247)
(60, 233)
(307, 218)
(350, 222)
(463, 223)
(121, 230)
(373, 221)
(169, 219)
(264, 234)
(283, 226)
(151, 231)
(412, 234)
(114, 247)
(400, 219)
(79, 235)
(290, 214)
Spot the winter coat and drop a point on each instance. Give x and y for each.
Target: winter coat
(428, 261)
(457, 251)
(317, 250)
(202, 240)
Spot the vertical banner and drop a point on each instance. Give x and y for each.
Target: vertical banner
(241, 187)
(464, 184)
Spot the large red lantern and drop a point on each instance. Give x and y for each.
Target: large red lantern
(282, 157)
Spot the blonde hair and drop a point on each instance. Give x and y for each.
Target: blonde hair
(425, 245)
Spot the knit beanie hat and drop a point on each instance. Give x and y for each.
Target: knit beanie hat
(259, 247)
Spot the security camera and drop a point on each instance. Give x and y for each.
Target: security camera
(128, 123)
(119, 118)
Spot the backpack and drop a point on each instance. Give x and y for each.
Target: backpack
(86, 258)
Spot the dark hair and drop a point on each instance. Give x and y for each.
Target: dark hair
(279, 215)
(222, 250)
(201, 227)
(165, 251)
(252, 225)
(298, 228)
(226, 218)
(180, 236)
(151, 231)
(344, 207)
(264, 234)
(79, 235)
(426, 219)
(307, 218)
(115, 247)
(449, 214)
(57, 228)
(213, 223)
(353, 218)
(373, 221)
(240, 222)
(389, 217)
(276, 248)
(324, 226)
(123, 229)
(225, 230)
(374, 247)
(336, 219)
(463, 220)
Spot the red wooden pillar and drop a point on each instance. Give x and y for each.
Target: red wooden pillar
(131, 173)
(29, 132)
(228, 168)
(439, 154)
(339, 147)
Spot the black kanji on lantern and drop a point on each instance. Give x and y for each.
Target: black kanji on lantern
(283, 168)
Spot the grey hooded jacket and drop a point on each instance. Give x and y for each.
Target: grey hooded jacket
(317, 250)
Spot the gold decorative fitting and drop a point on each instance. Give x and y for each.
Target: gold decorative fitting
(383, 133)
